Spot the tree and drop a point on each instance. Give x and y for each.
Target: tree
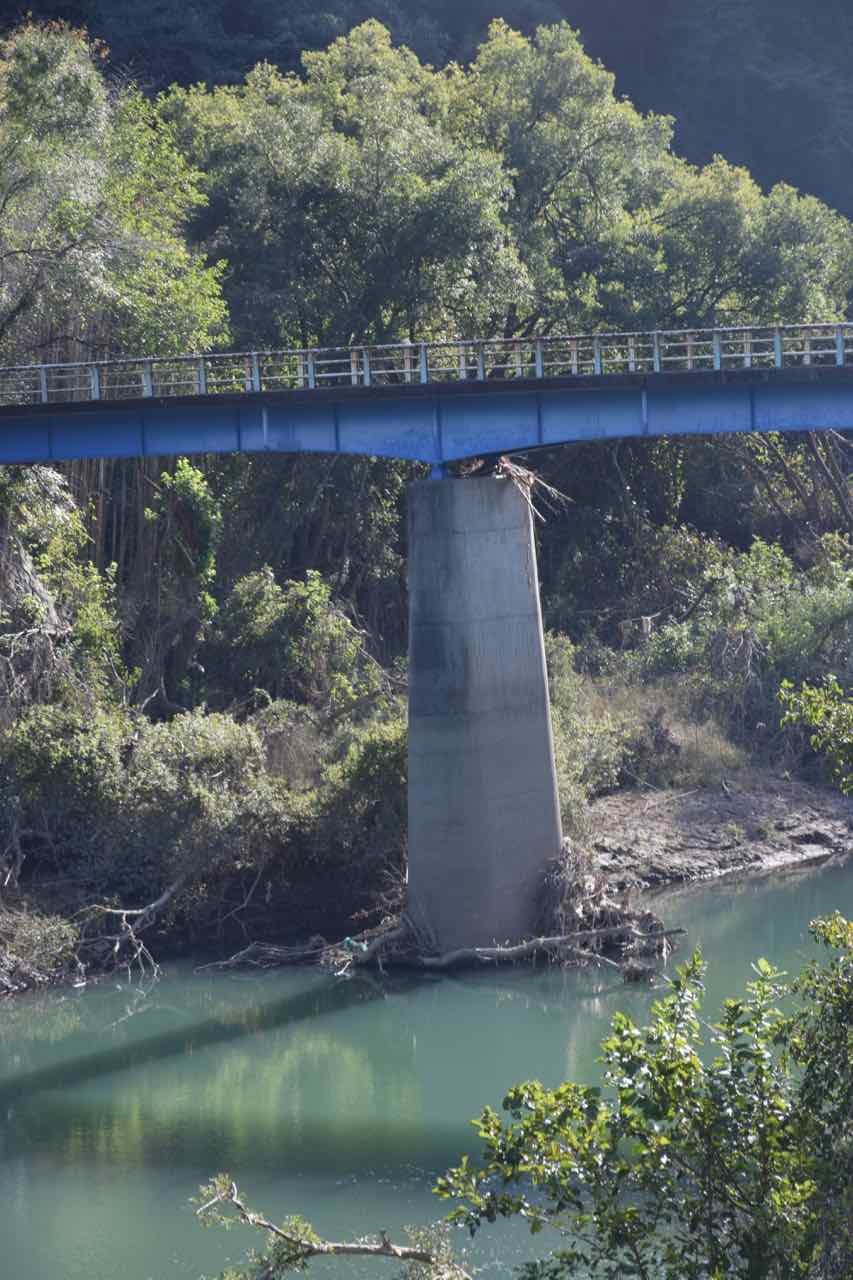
(347, 213)
(93, 200)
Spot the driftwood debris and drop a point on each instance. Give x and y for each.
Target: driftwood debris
(618, 946)
(581, 923)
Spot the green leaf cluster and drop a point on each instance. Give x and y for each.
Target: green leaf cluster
(696, 1161)
(94, 199)
(375, 198)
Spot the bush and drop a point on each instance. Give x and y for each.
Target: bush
(289, 642)
(62, 779)
(735, 1166)
(611, 731)
(828, 712)
(751, 620)
(361, 822)
(123, 807)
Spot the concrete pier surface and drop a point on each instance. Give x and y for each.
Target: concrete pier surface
(484, 816)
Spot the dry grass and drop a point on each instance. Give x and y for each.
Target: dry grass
(35, 949)
(663, 744)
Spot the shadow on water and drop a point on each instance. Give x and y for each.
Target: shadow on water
(252, 1111)
(325, 998)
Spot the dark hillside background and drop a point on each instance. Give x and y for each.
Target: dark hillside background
(766, 82)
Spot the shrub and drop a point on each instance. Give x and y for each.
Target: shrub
(827, 711)
(363, 802)
(290, 642)
(732, 1166)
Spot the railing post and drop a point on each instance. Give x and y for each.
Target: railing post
(255, 371)
(777, 348)
(537, 359)
(519, 366)
(201, 376)
(656, 351)
(632, 354)
(353, 368)
(365, 365)
(424, 363)
(312, 371)
(481, 362)
(147, 379)
(407, 361)
(463, 362)
(690, 348)
(718, 350)
(43, 385)
(839, 345)
(747, 351)
(596, 355)
(95, 381)
(807, 349)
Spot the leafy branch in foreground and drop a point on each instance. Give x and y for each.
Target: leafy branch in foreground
(688, 1165)
(291, 1244)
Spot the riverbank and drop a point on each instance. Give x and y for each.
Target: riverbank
(640, 840)
(757, 821)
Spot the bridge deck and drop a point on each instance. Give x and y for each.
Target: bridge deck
(434, 401)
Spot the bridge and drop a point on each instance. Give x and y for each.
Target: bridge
(433, 401)
(484, 818)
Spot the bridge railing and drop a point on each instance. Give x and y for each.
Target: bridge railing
(404, 363)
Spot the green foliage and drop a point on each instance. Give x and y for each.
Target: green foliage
(124, 807)
(688, 1163)
(289, 642)
(827, 712)
(62, 770)
(733, 625)
(197, 519)
(94, 199)
(518, 195)
(342, 516)
(364, 801)
(59, 634)
(375, 223)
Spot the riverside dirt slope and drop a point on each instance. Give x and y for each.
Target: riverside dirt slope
(757, 821)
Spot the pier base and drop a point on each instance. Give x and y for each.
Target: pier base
(484, 818)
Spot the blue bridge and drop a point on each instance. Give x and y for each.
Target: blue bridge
(434, 401)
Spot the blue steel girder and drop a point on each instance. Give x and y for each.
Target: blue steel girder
(436, 423)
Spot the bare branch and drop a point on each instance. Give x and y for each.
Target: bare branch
(313, 1247)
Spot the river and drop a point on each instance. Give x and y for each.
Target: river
(337, 1099)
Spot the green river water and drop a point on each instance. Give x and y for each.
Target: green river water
(337, 1099)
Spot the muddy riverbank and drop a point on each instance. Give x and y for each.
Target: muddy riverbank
(758, 821)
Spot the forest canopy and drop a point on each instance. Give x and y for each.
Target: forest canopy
(764, 81)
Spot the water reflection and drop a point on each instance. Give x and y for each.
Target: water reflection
(337, 1099)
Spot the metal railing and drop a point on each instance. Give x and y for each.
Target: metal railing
(400, 364)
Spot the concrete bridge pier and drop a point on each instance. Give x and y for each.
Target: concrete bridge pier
(484, 816)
